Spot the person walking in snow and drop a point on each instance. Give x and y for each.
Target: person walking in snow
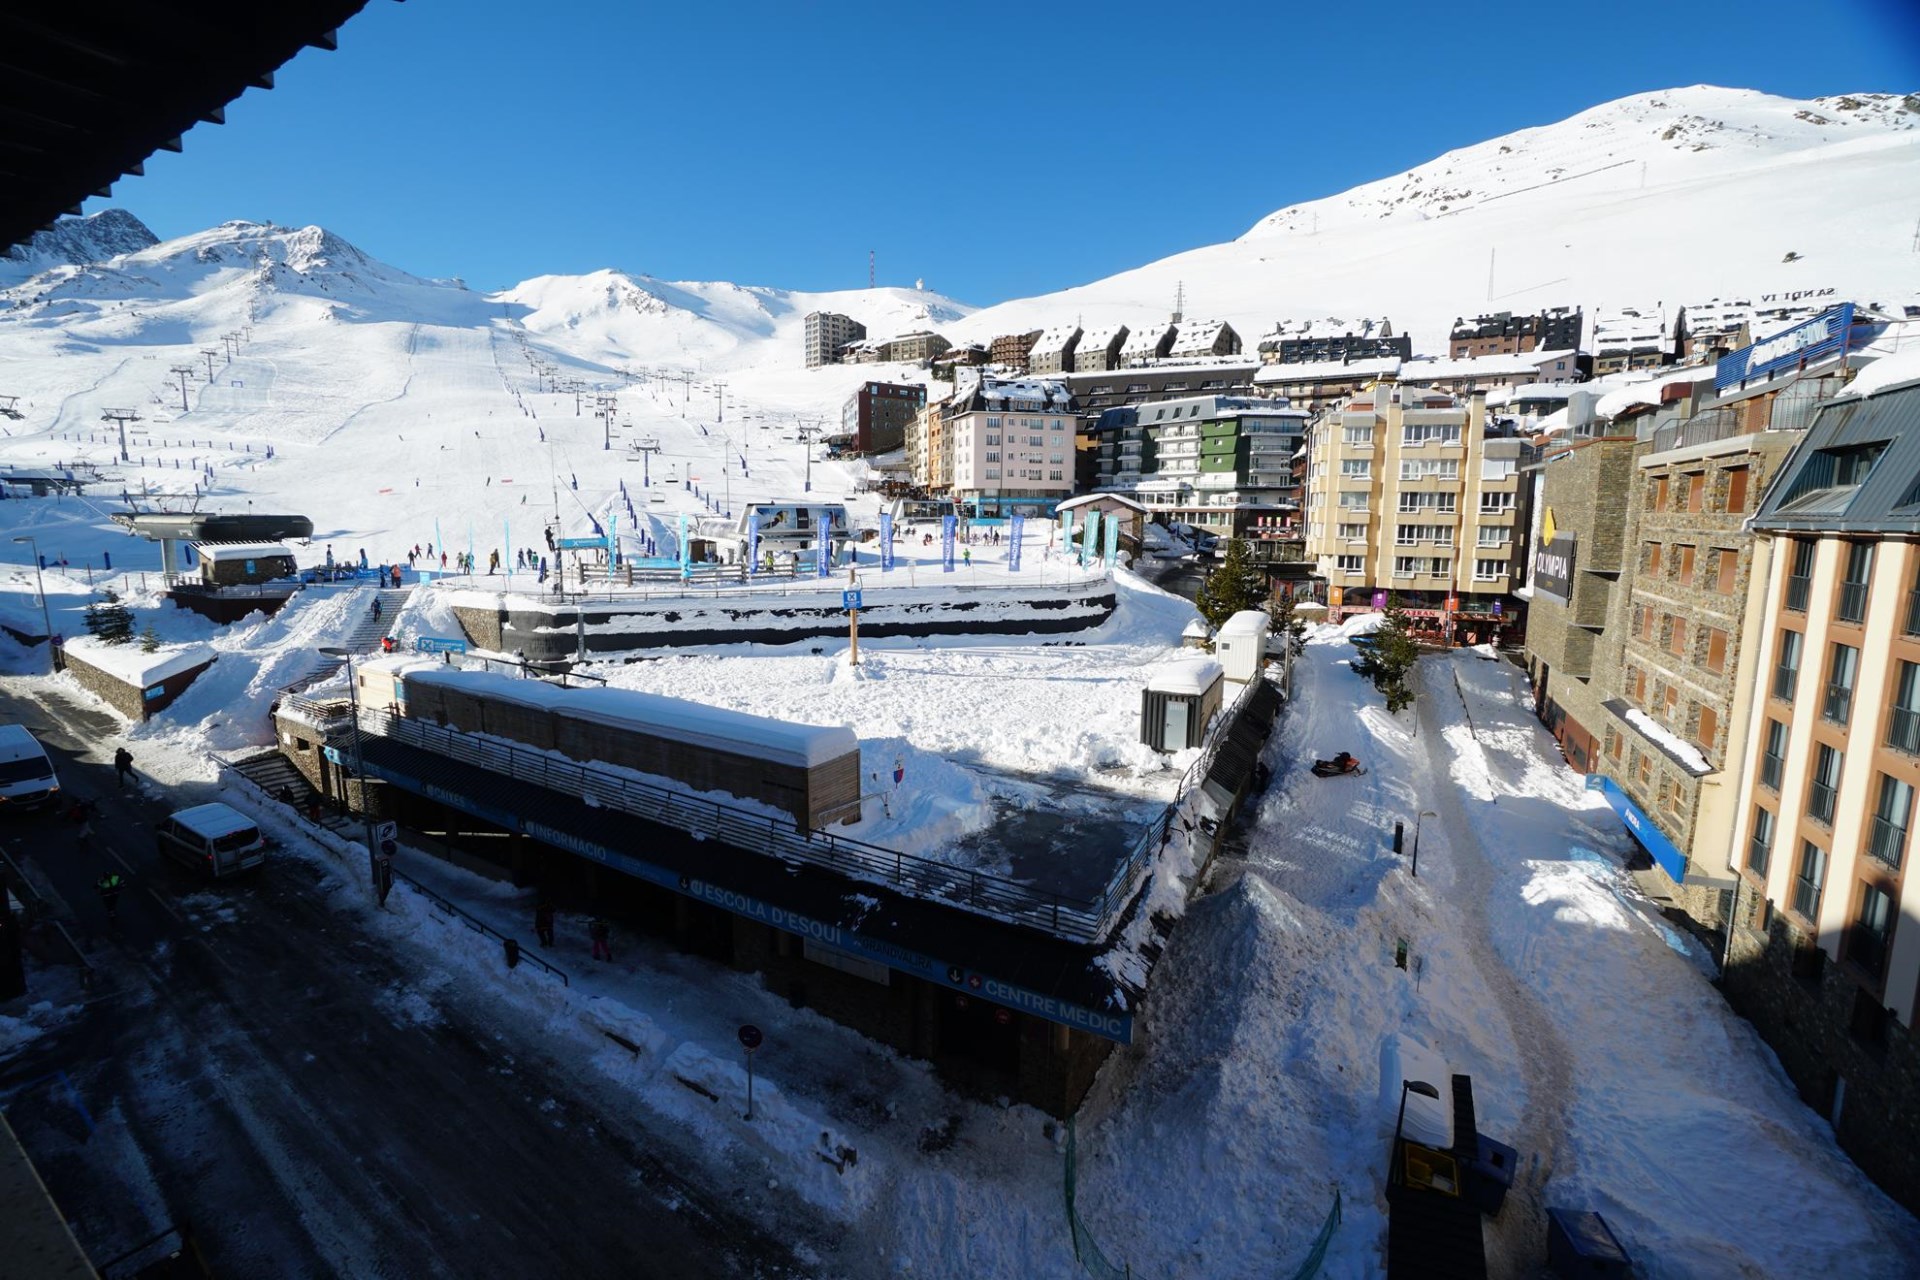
(493, 562)
(600, 931)
(412, 557)
(123, 766)
(396, 577)
(543, 920)
(363, 557)
(443, 562)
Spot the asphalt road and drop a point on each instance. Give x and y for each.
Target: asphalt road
(253, 1063)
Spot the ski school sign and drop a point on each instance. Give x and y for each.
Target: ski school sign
(1814, 339)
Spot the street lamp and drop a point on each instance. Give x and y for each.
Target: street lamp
(1424, 813)
(359, 769)
(40, 583)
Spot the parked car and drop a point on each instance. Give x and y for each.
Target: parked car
(215, 839)
(27, 779)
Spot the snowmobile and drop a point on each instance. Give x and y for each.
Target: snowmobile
(1343, 763)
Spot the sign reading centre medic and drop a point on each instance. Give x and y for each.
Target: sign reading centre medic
(1823, 335)
(1553, 567)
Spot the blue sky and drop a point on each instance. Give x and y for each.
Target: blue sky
(776, 143)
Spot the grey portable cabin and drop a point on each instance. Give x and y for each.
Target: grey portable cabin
(1179, 702)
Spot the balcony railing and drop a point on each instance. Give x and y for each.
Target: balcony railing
(1839, 703)
(1913, 613)
(1853, 602)
(1758, 852)
(1903, 730)
(1771, 770)
(1784, 678)
(1711, 424)
(1886, 842)
(1821, 798)
(1806, 900)
(1867, 950)
(1797, 591)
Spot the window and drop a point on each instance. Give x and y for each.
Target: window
(993, 424)
(1853, 583)
(1842, 667)
(1438, 503)
(1737, 489)
(1489, 570)
(1892, 813)
(1418, 433)
(1824, 790)
(1421, 566)
(1353, 499)
(1651, 556)
(1709, 727)
(1356, 468)
(1773, 757)
(1350, 564)
(1495, 535)
(1351, 532)
(1495, 503)
(1807, 880)
(1726, 569)
(1903, 725)
(1356, 435)
(1055, 475)
(1867, 940)
(1696, 490)
(1658, 499)
(1407, 535)
(1786, 671)
(1685, 554)
(1800, 576)
(1677, 636)
(1499, 468)
(993, 455)
(1430, 468)
(1760, 843)
(1637, 681)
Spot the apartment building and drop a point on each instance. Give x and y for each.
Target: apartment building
(1410, 495)
(930, 447)
(1223, 463)
(1147, 343)
(1009, 350)
(1824, 954)
(1012, 443)
(1099, 349)
(1052, 351)
(1097, 392)
(1314, 385)
(1631, 339)
(1503, 333)
(826, 333)
(919, 347)
(1318, 341)
(1200, 338)
(875, 417)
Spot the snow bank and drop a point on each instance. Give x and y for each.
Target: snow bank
(131, 663)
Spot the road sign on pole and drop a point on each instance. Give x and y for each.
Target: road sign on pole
(750, 1039)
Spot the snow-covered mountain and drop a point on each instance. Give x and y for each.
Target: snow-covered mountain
(1674, 197)
(74, 241)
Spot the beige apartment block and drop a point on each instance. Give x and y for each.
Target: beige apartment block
(1408, 496)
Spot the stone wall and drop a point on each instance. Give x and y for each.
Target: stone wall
(1819, 1021)
(130, 700)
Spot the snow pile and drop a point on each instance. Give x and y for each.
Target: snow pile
(1672, 743)
(131, 664)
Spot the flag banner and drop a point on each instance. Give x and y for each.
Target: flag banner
(1016, 531)
(886, 542)
(947, 524)
(1066, 531)
(1090, 538)
(753, 544)
(823, 558)
(506, 544)
(1113, 541)
(686, 550)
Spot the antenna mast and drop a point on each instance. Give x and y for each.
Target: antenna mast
(869, 268)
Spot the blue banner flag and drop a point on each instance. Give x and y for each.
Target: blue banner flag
(823, 559)
(1016, 533)
(686, 550)
(1113, 541)
(1066, 532)
(886, 542)
(947, 524)
(1090, 537)
(753, 543)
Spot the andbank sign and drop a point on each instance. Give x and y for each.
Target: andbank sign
(1815, 339)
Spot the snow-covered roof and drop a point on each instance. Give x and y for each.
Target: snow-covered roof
(1145, 340)
(1053, 341)
(214, 820)
(1542, 391)
(1196, 337)
(1088, 499)
(781, 741)
(1897, 370)
(1246, 622)
(1101, 337)
(1628, 328)
(1524, 365)
(1190, 676)
(1622, 399)
(1197, 628)
(221, 552)
(133, 665)
(1328, 370)
(1683, 752)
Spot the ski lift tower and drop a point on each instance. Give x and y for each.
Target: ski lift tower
(7, 410)
(605, 407)
(120, 418)
(646, 449)
(806, 434)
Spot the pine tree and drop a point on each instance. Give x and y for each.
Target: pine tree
(1236, 585)
(1392, 655)
(149, 640)
(109, 621)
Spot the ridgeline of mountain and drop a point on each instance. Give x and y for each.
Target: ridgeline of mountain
(78, 241)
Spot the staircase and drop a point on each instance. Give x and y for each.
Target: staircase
(364, 638)
(270, 771)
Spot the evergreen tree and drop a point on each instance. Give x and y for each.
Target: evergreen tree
(1236, 585)
(109, 621)
(1392, 655)
(149, 640)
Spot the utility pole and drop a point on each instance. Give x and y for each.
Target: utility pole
(209, 353)
(121, 417)
(181, 371)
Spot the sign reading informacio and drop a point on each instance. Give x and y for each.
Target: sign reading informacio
(1553, 567)
(1815, 339)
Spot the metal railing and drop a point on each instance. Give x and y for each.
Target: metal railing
(1759, 850)
(1771, 769)
(1806, 898)
(1839, 704)
(1821, 798)
(1886, 841)
(1798, 588)
(1784, 678)
(1853, 602)
(1903, 730)
(1702, 428)
(1913, 613)
(780, 836)
(523, 955)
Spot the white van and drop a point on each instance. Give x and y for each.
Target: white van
(212, 838)
(27, 779)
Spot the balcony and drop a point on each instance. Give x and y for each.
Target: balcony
(1784, 678)
(1771, 769)
(1839, 703)
(1853, 603)
(1759, 849)
(1886, 842)
(1821, 799)
(1913, 613)
(1709, 425)
(1798, 589)
(1806, 900)
(1903, 730)
(1866, 950)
